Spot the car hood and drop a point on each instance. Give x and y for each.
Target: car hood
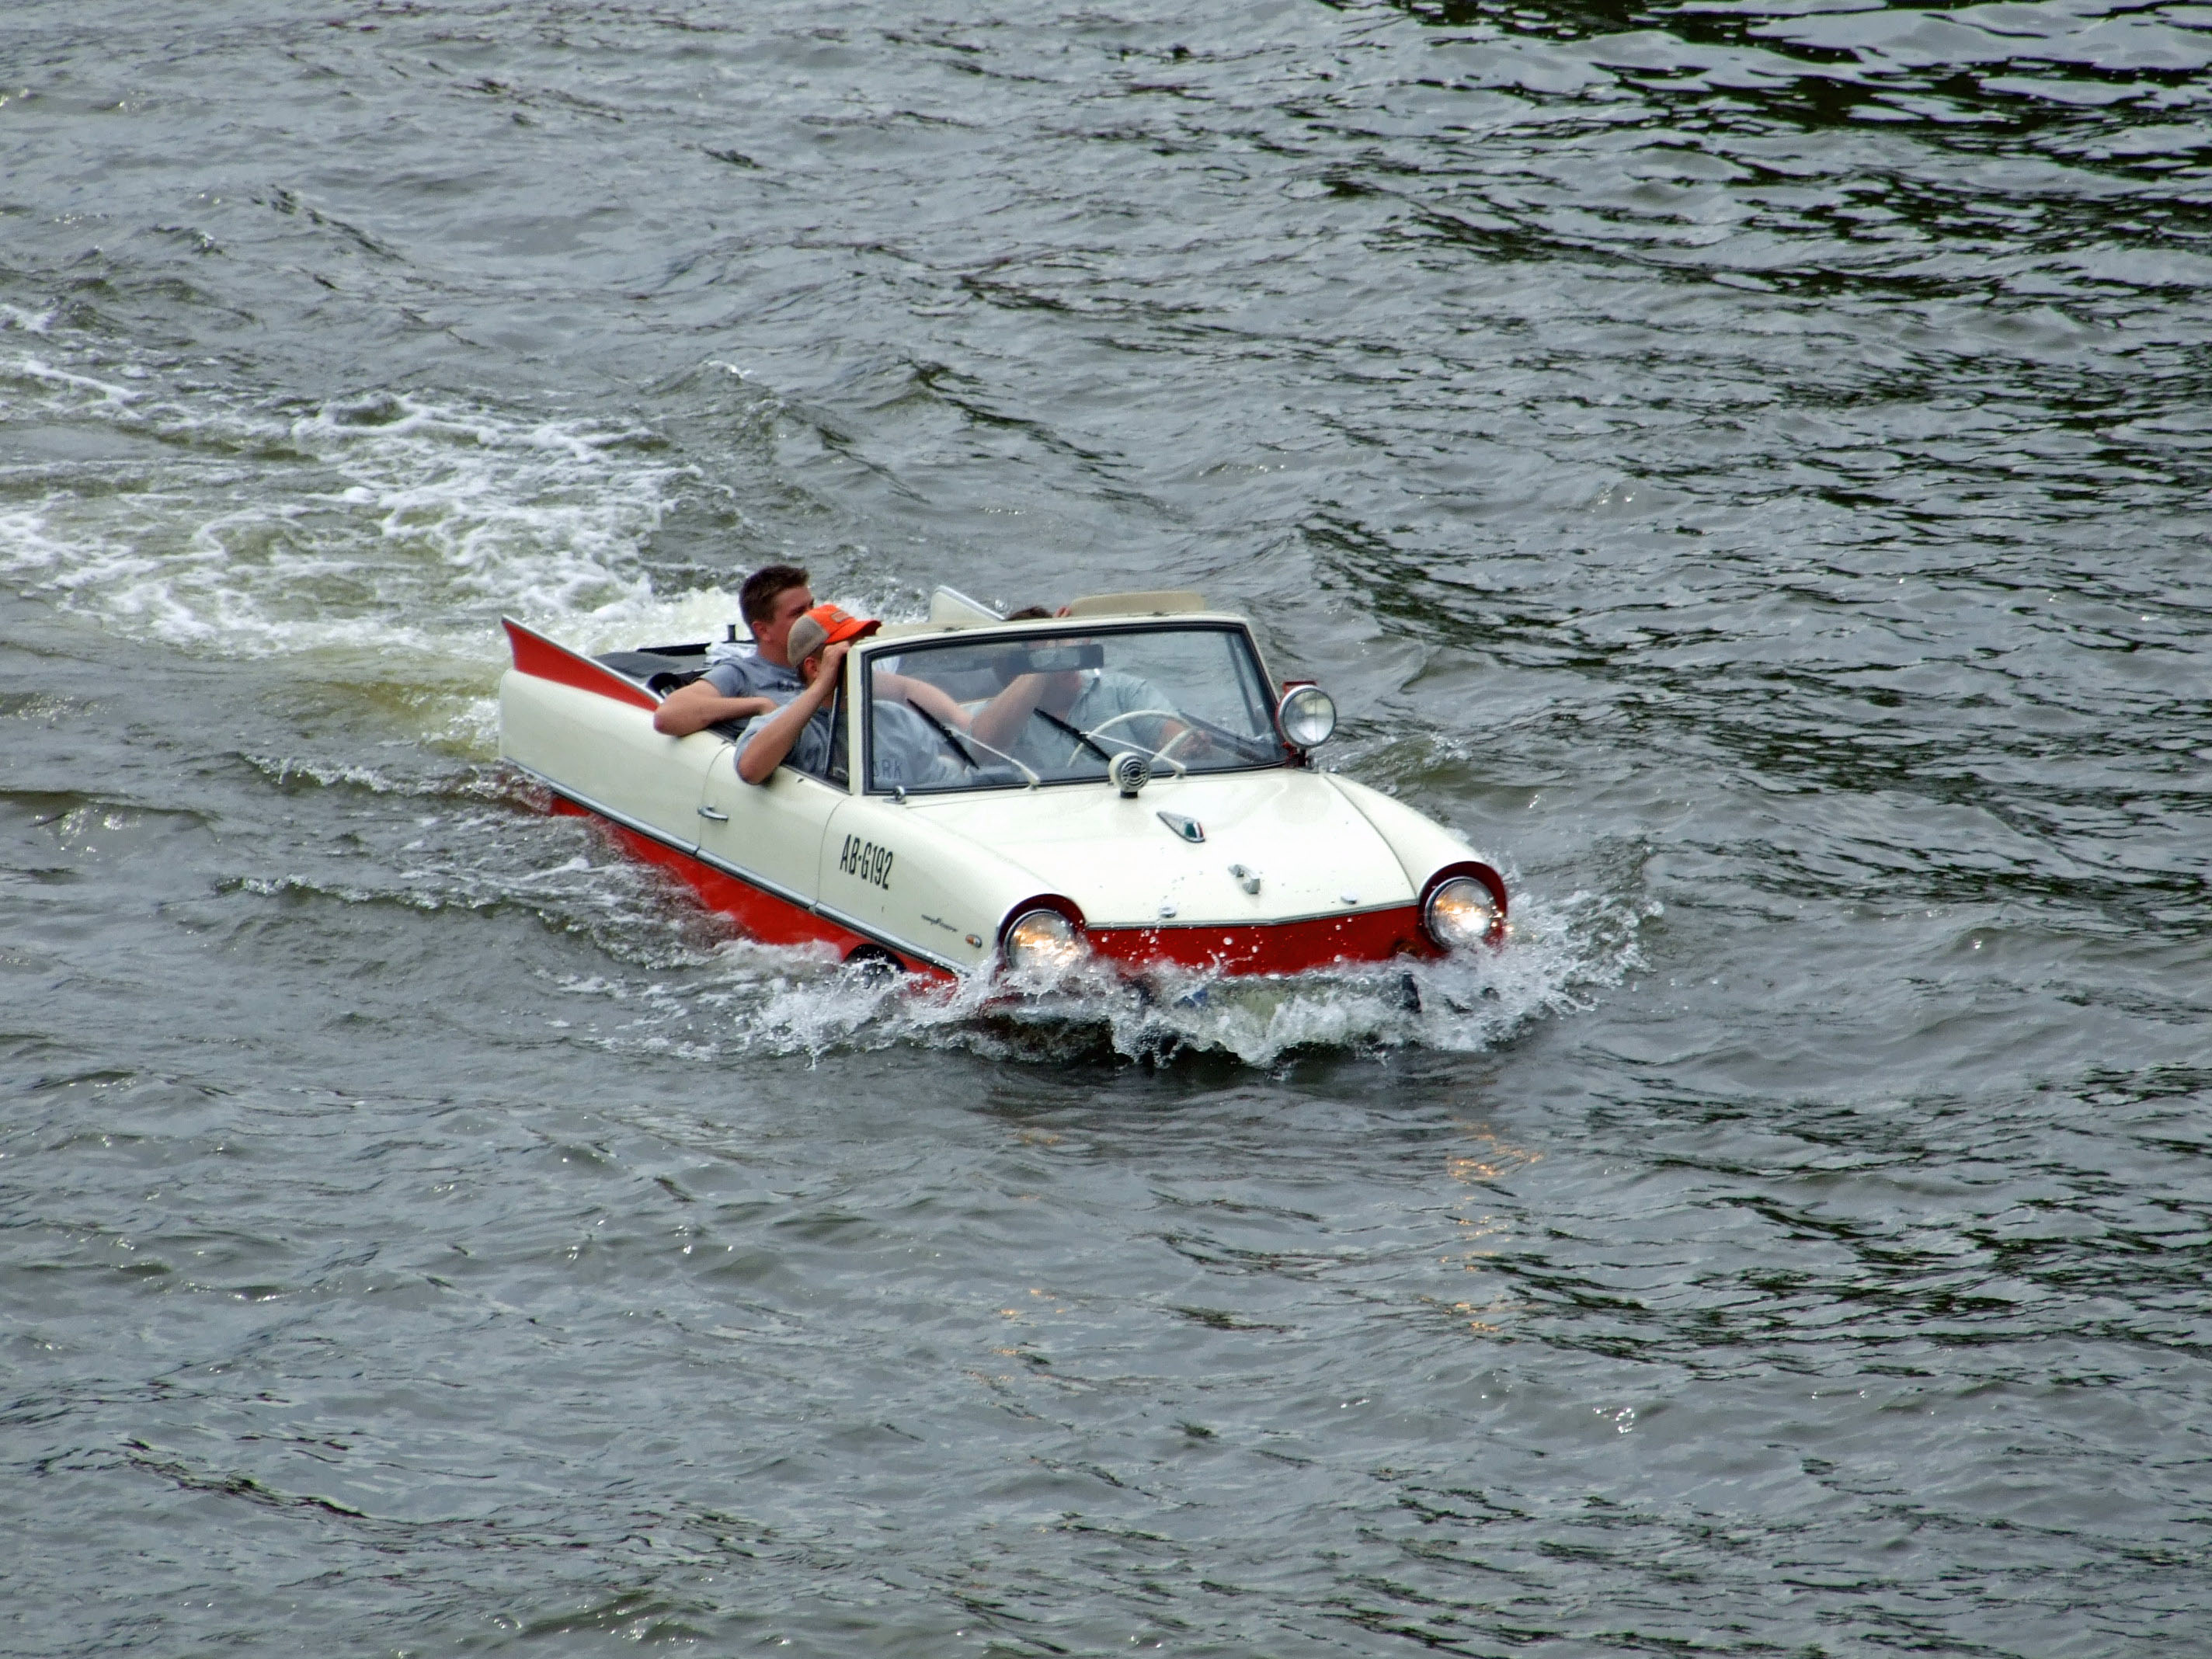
(1313, 851)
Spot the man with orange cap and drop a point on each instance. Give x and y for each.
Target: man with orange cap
(801, 731)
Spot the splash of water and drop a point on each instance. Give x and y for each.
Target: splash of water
(1563, 951)
(670, 977)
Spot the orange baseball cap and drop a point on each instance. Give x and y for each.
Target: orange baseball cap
(824, 626)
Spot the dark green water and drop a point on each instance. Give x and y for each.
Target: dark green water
(1749, 466)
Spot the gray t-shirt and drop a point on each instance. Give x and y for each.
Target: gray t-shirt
(810, 752)
(908, 749)
(1107, 694)
(753, 677)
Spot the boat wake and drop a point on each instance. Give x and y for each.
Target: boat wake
(379, 536)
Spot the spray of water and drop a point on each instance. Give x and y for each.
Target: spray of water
(666, 977)
(1563, 951)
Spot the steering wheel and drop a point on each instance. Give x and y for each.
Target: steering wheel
(1168, 749)
(1139, 714)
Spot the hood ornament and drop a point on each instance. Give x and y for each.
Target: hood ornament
(1189, 828)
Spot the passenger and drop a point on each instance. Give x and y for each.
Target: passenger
(910, 746)
(773, 597)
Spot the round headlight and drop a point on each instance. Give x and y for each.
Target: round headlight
(1460, 914)
(1307, 715)
(1045, 942)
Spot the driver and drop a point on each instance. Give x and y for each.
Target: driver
(1048, 718)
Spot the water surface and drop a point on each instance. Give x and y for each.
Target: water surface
(1745, 464)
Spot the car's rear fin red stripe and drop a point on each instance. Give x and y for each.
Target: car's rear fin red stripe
(542, 658)
(762, 915)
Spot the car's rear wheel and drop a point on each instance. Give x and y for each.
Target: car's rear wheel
(876, 965)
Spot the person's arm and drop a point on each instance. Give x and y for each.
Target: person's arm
(999, 721)
(695, 707)
(765, 749)
(923, 695)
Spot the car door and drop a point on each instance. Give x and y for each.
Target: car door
(887, 868)
(769, 834)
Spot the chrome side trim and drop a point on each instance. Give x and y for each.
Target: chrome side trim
(897, 943)
(624, 819)
(774, 890)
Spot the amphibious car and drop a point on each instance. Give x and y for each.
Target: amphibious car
(1122, 786)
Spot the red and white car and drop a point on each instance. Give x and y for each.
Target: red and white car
(1186, 829)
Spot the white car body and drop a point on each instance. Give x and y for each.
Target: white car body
(1297, 869)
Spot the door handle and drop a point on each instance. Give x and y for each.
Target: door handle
(709, 812)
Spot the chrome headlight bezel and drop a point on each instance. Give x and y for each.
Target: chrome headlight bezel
(1043, 943)
(1461, 913)
(1306, 717)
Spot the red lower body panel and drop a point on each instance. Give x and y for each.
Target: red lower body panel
(1281, 947)
(1274, 947)
(762, 915)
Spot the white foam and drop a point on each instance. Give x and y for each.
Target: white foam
(38, 370)
(380, 536)
(773, 1002)
(386, 534)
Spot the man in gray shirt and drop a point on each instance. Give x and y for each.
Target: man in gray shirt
(774, 597)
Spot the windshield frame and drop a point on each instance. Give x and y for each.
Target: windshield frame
(1080, 628)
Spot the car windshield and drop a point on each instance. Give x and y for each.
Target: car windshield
(1058, 707)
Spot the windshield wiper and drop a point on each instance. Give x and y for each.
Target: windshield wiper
(1252, 748)
(945, 732)
(1129, 745)
(961, 749)
(1075, 732)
